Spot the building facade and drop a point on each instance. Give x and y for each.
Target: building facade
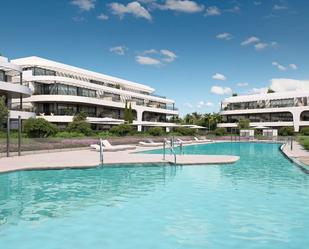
(272, 110)
(60, 91)
(13, 90)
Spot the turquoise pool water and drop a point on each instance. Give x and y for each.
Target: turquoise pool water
(262, 201)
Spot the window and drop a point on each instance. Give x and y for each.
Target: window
(42, 71)
(2, 75)
(281, 103)
(72, 90)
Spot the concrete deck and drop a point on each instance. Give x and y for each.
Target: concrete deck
(297, 153)
(89, 158)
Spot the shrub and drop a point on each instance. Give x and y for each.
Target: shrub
(39, 127)
(185, 131)
(156, 131)
(104, 134)
(81, 116)
(220, 131)
(243, 124)
(286, 131)
(122, 130)
(65, 134)
(304, 141)
(305, 131)
(4, 112)
(80, 127)
(80, 124)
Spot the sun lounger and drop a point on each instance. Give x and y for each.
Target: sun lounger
(180, 141)
(108, 147)
(150, 143)
(197, 140)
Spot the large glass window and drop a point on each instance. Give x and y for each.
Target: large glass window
(89, 110)
(41, 71)
(261, 117)
(62, 89)
(2, 75)
(304, 116)
(282, 103)
(72, 90)
(42, 88)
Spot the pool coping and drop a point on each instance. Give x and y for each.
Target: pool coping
(302, 166)
(70, 159)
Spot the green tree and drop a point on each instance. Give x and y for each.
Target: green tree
(126, 113)
(130, 114)
(4, 112)
(270, 90)
(122, 130)
(286, 131)
(81, 116)
(176, 119)
(156, 131)
(220, 131)
(243, 124)
(80, 124)
(39, 127)
(234, 94)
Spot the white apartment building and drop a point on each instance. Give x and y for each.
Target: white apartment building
(11, 87)
(60, 91)
(272, 110)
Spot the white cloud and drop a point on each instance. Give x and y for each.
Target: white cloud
(258, 90)
(189, 105)
(185, 6)
(84, 5)
(146, 60)
(293, 66)
(260, 46)
(235, 9)
(284, 68)
(220, 90)
(279, 7)
(202, 104)
(224, 36)
(284, 85)
(250, 40)
(102, 17)
(134, 8)
(169, 55)
(213, 11)
(120, 50)
(157, 57)
(218, 76)
(242, 84)
(150, 51)
(279, 66)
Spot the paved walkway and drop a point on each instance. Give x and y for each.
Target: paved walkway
(296, 152)
(89, 158)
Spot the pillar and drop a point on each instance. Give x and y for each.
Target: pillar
(296, 120)
(139, 114)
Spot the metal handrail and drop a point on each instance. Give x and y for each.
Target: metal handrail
(175, 155)
(101, 152)
(172, 150)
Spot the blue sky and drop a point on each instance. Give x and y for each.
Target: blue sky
(196, 52)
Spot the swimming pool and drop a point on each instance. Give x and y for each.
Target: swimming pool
(262, 201)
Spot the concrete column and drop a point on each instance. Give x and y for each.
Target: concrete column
(296, 120)
(167, 129)
(139, 114)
